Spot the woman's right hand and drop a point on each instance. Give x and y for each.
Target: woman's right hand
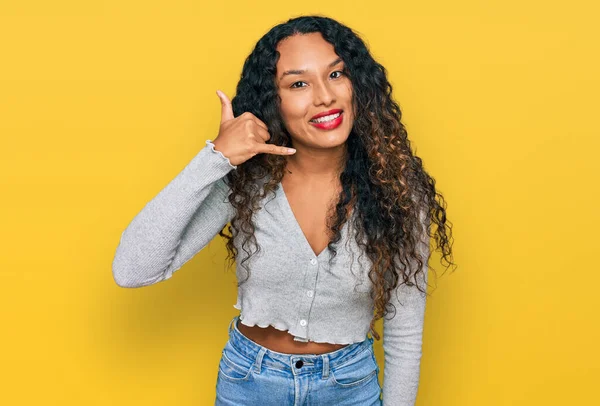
(240, 138)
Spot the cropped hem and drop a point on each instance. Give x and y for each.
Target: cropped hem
(315, 339)
(212, 148)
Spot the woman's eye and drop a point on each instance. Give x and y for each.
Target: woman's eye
(293, 86)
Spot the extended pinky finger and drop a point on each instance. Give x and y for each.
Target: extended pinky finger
(274, 149)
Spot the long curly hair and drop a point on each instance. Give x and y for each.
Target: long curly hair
(382, 181)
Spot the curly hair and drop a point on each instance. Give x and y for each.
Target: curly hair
(393, 196)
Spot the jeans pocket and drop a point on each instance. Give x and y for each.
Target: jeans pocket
(358, 370)
(234, 366)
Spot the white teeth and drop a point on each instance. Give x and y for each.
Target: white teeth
(326, 118)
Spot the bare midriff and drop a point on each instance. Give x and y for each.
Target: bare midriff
(282, 341)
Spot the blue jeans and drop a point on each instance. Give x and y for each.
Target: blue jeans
(250, 374)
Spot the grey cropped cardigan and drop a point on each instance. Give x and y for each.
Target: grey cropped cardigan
(290, 287)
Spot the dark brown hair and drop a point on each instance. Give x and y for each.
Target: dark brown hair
(394, 197)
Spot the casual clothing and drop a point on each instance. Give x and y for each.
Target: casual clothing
(290, 287)
(250, 374)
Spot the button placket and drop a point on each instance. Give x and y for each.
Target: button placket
(307, 301)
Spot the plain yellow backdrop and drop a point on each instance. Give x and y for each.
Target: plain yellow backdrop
(103, 103)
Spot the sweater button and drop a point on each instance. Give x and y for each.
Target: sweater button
(299, 364)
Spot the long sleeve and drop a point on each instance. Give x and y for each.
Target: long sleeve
(402, 341)
(177, 223)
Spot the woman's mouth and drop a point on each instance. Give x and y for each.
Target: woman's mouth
(328, 122)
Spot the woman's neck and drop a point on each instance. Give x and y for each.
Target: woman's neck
(317, 165)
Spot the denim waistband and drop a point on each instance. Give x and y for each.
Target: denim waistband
(311, 363)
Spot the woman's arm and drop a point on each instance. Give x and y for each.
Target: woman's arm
(402, 344)
(177, 223)
(403, 335)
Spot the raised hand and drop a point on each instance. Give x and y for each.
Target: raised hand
(240, 138)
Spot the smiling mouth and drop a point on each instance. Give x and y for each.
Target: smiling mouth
(326, 119)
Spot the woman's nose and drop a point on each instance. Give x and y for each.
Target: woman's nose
(323, 94)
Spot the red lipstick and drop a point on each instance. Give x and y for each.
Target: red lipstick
(326, 113)
(330, 124)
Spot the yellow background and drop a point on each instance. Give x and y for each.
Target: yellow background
(103, 103)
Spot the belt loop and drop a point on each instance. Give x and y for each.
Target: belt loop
(325, 358)
(259, 358)
(230, 323)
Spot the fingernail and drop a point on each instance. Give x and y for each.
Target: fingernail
(291, 150)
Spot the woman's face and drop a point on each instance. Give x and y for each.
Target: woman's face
(322, 86)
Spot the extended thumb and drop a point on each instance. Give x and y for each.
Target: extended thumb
(226, 110)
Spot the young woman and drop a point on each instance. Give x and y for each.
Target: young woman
(328, 237)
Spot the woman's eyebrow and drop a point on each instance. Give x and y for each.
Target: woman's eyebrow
(301, 71)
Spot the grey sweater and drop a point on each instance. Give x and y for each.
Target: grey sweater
(290, 287)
